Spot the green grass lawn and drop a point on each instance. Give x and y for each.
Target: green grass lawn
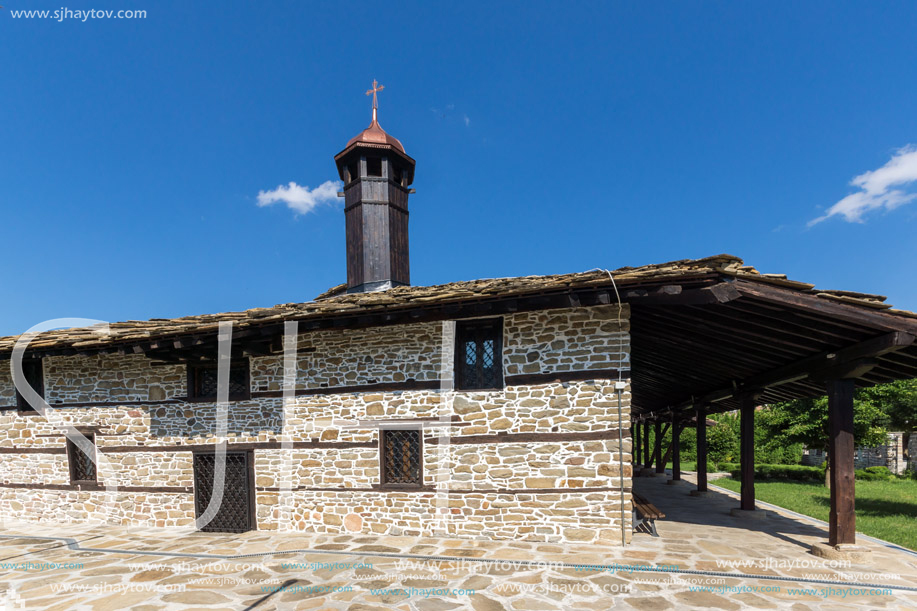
(887, 510)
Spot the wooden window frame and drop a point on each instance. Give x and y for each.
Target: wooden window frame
(353, 171)
(373, 159)
(22, 406)
(72, 449)
(193, 371)
(383, 472)
(464, 329)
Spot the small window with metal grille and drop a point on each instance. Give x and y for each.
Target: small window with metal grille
(34, 376)
(82, 465)
(401, 452)
(479, 354)
(203, 381)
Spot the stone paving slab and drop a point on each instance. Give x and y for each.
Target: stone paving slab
(363, 573)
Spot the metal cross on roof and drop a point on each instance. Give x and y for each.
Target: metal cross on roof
(376, 88)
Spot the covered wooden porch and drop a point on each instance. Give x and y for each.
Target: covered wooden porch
(703, 345)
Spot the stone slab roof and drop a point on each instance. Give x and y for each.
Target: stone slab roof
(337, 303)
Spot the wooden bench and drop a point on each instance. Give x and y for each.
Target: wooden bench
(645, 515)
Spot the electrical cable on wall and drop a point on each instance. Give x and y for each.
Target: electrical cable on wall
(619, 389)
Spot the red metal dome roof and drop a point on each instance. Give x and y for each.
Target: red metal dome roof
(374, 134)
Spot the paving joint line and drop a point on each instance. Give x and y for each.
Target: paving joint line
(74, 545)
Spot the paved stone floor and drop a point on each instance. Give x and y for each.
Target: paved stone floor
(163, 569)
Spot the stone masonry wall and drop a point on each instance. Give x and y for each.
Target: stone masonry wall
(532, 461)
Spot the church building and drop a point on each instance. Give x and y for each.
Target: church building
(499, 409)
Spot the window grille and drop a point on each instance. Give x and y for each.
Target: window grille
(202, 381)
(236, 511)
(402, 460)
(82, 467)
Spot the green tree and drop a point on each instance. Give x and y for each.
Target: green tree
(771, 449)
(899, 402)
(723, 438)
(805, 421)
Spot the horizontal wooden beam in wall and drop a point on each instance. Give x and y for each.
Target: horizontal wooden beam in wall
(558, 377)
(432, 490)
(261, 445)
(516, 380)
(99, 488)
(33, 450)
(610, 434)
(338, 390)
(108, 404)
(528, 379)
(411, 423)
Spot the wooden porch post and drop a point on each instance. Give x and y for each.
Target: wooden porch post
(701, 449)
(636, 453)
(657, 446)
(676, 447)
(842, 519)
(647, 461)
(747, 451)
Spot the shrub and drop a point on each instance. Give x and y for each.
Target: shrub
(722, 441)
(874, 474)
(783, 472)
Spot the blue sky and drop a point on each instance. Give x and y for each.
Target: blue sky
(549, 138)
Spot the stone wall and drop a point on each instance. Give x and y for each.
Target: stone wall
(353, 357)
(532, 461)
(565, 340)
(912, 452)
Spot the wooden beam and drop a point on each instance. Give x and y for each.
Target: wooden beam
(673, 294)
(258, 349)
(814, 365)
(647, 461)
(657, 446)
(842, 517)
(852, 370)
(676, 447)
(747, 451)
(660, 433)
(636, 437)
(701, 448)
(859, 315)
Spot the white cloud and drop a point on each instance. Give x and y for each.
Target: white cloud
(301, 199)
(467, 120)
(878, 188)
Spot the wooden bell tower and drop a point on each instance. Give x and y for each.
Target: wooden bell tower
(377, 175)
